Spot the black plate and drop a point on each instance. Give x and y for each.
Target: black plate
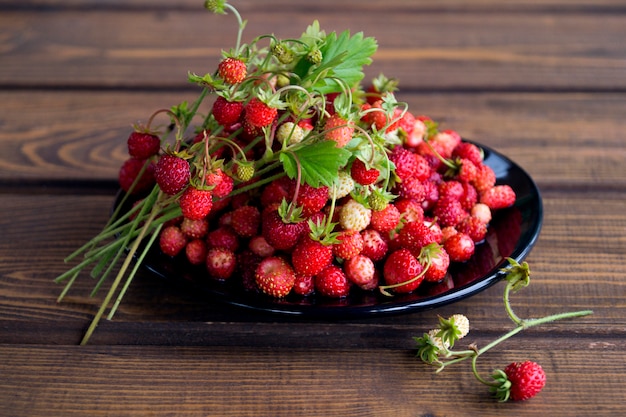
(512, 233)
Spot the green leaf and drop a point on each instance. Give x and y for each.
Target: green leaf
(319, 162)
(345, 56)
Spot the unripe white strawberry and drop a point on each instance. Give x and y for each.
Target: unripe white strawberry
(462, 323)
(345, 185)
(354, 216)
(290, 132)
(437, 340)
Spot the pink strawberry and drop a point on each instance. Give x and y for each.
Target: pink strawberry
(360, 270)
(275, 277)
(232, 70)
(195, 229)
(220, 263)
(304, 285)
(410, 211)
(223, 237)
(498, 197)
(527, 379)
(338, 129)
(485, 178)
(473, 227)
(258, 114)
(374, 246)
(222, 183)
(405, 162)
(332, 282)
(259, 246)
(172, 174)
(195, 203)
(466, 150)
(309, 257)
(225, 112)
(143, 145)
(129, 172)
(172, 240)
(401, 267)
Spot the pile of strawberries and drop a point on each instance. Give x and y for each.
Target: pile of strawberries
(300, 181)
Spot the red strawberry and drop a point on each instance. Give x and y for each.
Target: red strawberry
(414, 236)
(279, 234)
(349, 244)
(195, 203)
(405, 162)
(309, 257)
(385, 220)
(410, 210)
(226, 112)
(411, 188)
(466, 150)
(172, 240)
(275, 277)
(527, 379)
(276, 191)
(196, 251)
(332, 282)
(338, 129)
(311, 199)
(360, 270)
(498, 197)
(246, 220)
(460, 247)
(304, 285)
(474, 227)
(142, 145)
(439, 262)
(258, 114)
(402, 267)
(376, 117)
(449, 212)
(232, 70)
(172, 174)
(361, 174)
(129, 172)
(222, 183)
(223, 237)
(467, 170)
(485, 178)
(220, 263)
(469, 197)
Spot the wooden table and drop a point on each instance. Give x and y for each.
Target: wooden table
(543, 82)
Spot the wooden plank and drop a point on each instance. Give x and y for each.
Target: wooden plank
(80, 136)
(581, 241)
(434, 51)
(131, 381)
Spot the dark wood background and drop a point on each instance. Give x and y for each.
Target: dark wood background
(543, 82)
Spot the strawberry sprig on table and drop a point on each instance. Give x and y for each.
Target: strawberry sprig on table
(298, 180)
(518, 381)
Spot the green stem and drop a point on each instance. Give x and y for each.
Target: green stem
(507, 305)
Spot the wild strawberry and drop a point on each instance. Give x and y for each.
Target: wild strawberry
(374, 246)
(220, 263)
(446, 141)
(449, 212)
(406, 123)
(223, 237)
(354, 216)
(172, 174)
(401, 267)
(332, 282)
(482, 212)
(414, 236)
(460, 247)
(498, 197)
(309, 256)
(469, 197)
(527, 379)
(276, 191)
(405, 162)
(466, 150)
(196, 251)
(349, 244)
(473, 227)
(311, 199)
(304, 285)
(246, 221)
(129, 173)
(410, 211)
(467, 170)
(345, 184)
(411, 188)
(278, 233)
(361, 174)
(431, 195)
(381, 86)
(290, 133)
(450, 190)
(195, 203)
(485, 178)
(275, 277)
(232, 70)
(418, 132)
(375, 117)
(258, 114)
(360, 270)
(438, 262)
(143, 145)
(221, 182)
(195, 229)
(258, 245)
(225, 112)
(338, 129)
(172, 240)
(385, 220)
